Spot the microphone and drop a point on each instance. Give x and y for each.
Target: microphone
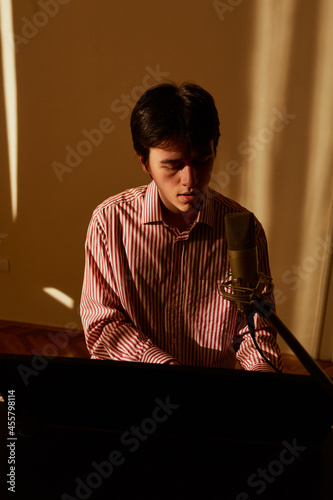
(246, 283)
(242, 248)
(242, 253)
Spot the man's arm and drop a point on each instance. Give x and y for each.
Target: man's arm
(108, 329)
(247, 354)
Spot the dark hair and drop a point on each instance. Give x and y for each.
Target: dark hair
(167, 112)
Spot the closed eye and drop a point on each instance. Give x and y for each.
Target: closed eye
(173, 164)
(201, 161)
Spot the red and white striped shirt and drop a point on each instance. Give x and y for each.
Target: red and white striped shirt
(150, 293)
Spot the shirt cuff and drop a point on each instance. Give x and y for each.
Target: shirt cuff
(261, 367)
(156, 355)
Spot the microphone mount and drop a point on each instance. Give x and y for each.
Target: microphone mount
(244, 296)
(252, 300)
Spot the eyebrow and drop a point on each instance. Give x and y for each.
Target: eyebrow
(171, 160)
(177, 160)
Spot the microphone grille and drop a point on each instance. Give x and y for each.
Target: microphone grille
(240, 230)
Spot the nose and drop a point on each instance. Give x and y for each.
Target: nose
(189, 176)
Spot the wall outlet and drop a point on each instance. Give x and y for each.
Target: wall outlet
(4, 265)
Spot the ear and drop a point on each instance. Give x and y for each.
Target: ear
(143, 165)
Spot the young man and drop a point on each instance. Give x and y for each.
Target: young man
(156, 254)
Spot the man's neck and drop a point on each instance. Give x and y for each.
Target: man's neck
(180, 220)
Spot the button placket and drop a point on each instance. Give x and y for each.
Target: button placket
(175, 295)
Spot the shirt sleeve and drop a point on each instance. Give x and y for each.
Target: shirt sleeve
(109, 332)
(266, 337)
(265, 333)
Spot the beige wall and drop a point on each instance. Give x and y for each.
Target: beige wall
(81, 65)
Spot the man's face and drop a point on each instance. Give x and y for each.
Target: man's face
(182, 176)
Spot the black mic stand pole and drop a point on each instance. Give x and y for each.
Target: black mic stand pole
(265, 308)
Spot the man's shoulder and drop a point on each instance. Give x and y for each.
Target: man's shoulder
(126, 198)
(225, 204)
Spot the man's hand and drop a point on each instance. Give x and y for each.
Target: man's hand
(174, 363)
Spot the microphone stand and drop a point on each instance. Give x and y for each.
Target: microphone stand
(265, 308)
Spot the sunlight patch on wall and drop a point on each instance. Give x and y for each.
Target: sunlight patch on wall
(10, 94)
(60, 297)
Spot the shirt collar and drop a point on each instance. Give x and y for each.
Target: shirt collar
(206, 215)
(152, 211)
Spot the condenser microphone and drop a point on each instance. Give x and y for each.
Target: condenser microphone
(245, 280)
(242, 249)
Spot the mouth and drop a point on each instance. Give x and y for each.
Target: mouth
(189, 197)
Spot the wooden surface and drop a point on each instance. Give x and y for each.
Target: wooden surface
(23, 338)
